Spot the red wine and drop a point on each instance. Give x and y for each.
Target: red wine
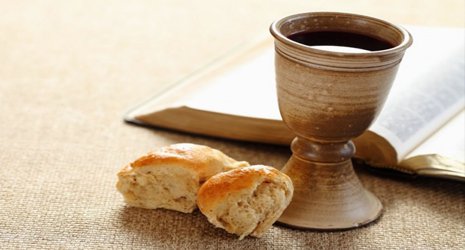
(336, 38)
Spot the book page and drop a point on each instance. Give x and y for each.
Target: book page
(247, 90)
(442, 154)
(428, 90)
(449, 141)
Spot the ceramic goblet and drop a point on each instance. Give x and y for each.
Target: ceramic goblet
(327, 98)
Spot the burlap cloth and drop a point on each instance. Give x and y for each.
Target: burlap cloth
(69, 70)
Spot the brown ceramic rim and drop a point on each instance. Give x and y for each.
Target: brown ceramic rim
(276, 26)
(324, 58)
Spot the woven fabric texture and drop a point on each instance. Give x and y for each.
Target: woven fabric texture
(69, 70)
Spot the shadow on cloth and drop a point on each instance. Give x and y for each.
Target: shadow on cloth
(166, 227)
(415, 195)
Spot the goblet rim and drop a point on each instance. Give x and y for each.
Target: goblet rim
(406, 42)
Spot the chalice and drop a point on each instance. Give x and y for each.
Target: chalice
(327, 97)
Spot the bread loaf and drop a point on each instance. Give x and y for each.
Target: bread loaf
(245, 201)
(170, 177)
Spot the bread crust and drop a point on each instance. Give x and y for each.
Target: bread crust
(205, 160)
(171, 176)
(227, 198)
(219, 186)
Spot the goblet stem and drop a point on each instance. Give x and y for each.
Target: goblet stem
(327, 195)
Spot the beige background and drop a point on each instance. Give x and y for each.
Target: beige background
(69, 70)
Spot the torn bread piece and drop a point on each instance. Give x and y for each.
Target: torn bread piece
(171, 176)
(245, 201)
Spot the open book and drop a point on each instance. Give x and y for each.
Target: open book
(419, 131)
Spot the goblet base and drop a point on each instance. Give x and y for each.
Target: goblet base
(328, 196)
